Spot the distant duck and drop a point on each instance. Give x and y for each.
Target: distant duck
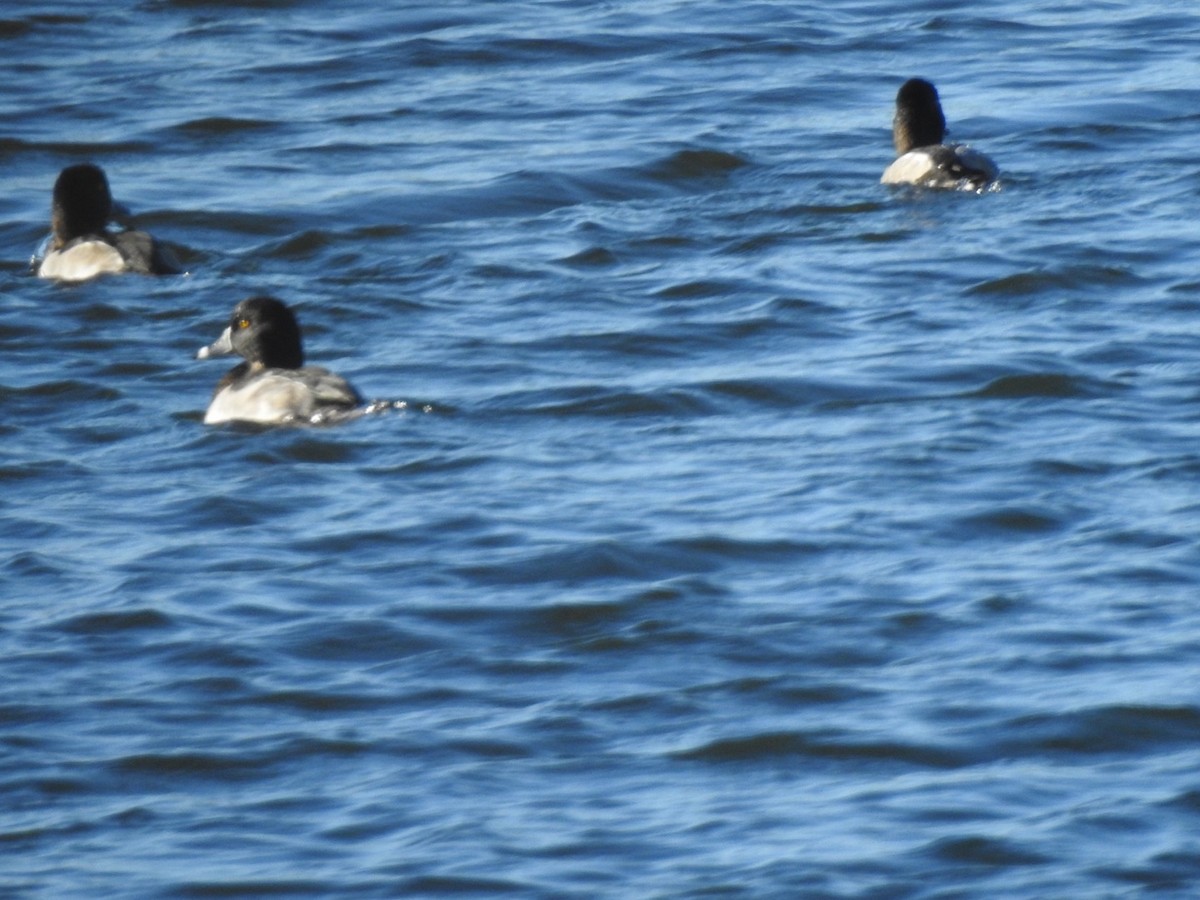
(81, 245)
(918, 130)
(272, 386)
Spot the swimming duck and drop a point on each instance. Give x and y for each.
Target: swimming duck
(918, 130)
(272, 386)
(81, 246)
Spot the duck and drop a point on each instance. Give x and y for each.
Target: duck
(272, 386)
(81, 246)
(918, 131)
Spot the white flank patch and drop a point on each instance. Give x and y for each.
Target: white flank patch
(908, 169)
(81, 262)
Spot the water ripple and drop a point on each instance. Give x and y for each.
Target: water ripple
(770, 533)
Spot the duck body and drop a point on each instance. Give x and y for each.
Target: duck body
(279, 396)
(942, 166)
(108, 253)
(923, 159)
(272, 386)
(81, 244)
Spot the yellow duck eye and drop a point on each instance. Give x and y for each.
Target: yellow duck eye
(243, 323)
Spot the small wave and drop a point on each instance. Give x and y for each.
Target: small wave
(594, 400)
(986, 851)
(11, 28)
(696, 290)
(1175, 872)
(275, 5)
(823, 210)
(690, 164)
(562, 618)
(1106, 729)
(599, 561)
(1038, 281)
(111, 622)
(36, 469)
(491, 749)
(184, 765)
(222, 125)
(20, 714)
(774, 745)
(765, 392)
(1188, 801)
(322, 702)
(355, 541)
(642, 618)
(354, 641)
(77, 149)
(1036, 384)
(1009, 520)
(448, 885)
(62, 394)
(425, 52)
(35, 835)
(686, 400)
(272, 887)
(592, 257)
(308, 448)
(790, 393)
(529, 192)
(726, 548)
(235, 221)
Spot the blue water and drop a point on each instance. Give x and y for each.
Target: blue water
(748, 529)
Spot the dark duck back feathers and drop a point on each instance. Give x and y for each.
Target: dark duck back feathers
(272, 385)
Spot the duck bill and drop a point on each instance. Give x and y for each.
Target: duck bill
(222, 346)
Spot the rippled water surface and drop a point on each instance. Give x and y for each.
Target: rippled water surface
(746, 528)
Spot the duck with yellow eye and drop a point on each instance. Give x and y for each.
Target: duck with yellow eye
(273, 386)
